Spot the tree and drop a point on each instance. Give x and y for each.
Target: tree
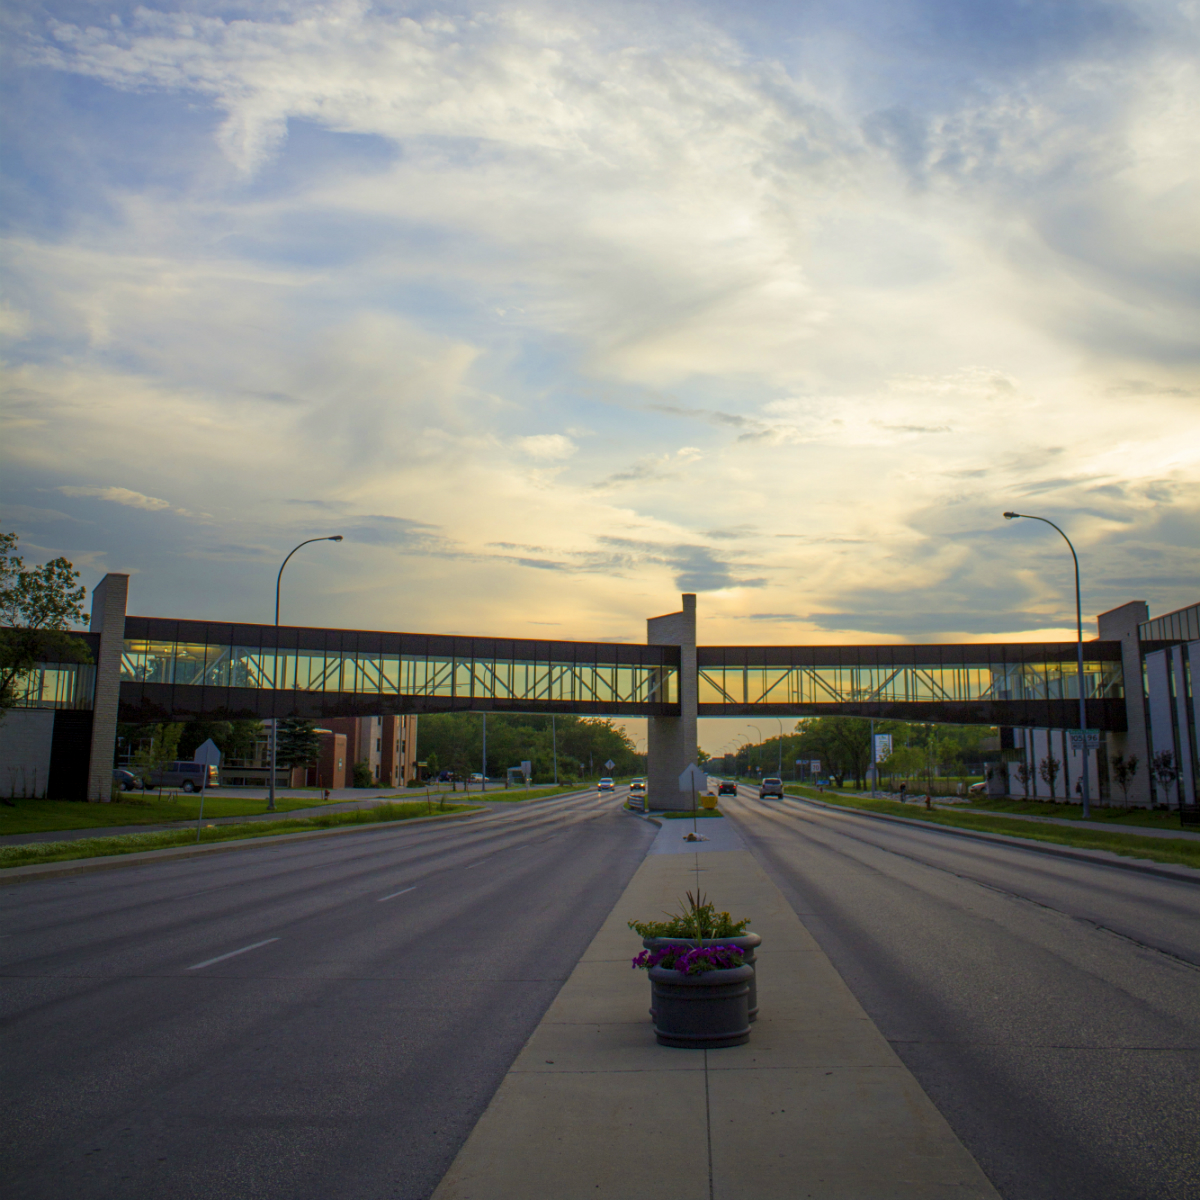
(298, 742)
(38, 605)
(1124, 769)
(1049, 771)
(163, 748)
(1162, 768)
(1024, 773)
(843, 744)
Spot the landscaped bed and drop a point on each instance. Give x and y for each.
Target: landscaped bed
(1158, 849)
(31, 853)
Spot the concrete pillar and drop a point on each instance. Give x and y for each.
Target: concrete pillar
(1121, 625)
(671, 741)
(108, 620)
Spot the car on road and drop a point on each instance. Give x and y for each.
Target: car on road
(770, 787)
(726, 787)
(186, 776)
(126, 781)
(606, 784)
(637, 787)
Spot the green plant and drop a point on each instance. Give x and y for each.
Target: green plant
(697, 919)
(1124, 769)
(362, 775)
(1049, 771)
(37, 607)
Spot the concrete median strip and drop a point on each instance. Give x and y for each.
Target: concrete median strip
(816, 1105)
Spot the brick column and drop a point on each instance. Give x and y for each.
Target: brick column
(671, 741)
(108, 620)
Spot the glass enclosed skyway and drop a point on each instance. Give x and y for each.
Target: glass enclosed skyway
(181, 667)
(1035, 684)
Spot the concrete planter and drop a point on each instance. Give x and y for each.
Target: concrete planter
(701, 1012)
(747, 944)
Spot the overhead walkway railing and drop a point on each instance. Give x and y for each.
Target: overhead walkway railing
(193, 666)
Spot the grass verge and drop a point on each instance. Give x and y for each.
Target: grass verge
(1165, 850)
(41, 816)
(501, 796)
(160, 839)
(1145, 818)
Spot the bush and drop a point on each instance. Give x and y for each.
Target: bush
(362, 775)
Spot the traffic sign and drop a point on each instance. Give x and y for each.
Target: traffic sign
(693, 779)
(1093, 739)
(208, 753)
(608, 766)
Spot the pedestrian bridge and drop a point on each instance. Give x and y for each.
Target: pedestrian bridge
(172, 668)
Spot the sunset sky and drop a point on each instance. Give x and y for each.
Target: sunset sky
(557, 310)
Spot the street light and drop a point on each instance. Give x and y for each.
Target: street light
(1012, 516)
(780, 724)
(275, 667)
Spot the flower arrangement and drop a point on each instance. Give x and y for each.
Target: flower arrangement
(690, 960)
(698, 919)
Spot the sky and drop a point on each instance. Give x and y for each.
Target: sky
(555, 311)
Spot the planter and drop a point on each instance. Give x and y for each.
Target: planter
(746, 943)
(701, 1012)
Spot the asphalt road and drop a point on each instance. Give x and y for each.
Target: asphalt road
(315, 1020)
(1049, 1007)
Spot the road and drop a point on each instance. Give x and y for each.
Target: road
(285, 1022)
(1049, 1007)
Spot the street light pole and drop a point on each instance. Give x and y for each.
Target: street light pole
(1087, 806)
(275, 667)
(780, 724)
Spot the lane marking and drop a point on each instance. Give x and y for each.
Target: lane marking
(208, 962)
(395, 894)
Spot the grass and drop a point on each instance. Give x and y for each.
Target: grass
(1147, 818)
(509, 796)
(136, 808)
(1166, 850)
(160, 839)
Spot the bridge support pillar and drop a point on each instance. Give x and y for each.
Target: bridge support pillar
(671, 741)
(108, 620)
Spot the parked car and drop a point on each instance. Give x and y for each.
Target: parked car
(186, 776)
(125, 781)
(726, 787)
(606, 784)
(977, 789)
(770, 787)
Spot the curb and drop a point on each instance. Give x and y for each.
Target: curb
(1103, 858)
(111, 862)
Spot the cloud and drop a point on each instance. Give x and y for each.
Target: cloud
(119, 495)
(25, 514)
(550, 446)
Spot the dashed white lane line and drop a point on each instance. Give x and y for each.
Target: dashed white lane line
(395, 894)
(208, 962)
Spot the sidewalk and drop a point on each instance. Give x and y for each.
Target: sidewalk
(817, 1104)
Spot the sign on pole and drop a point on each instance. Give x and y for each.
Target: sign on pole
(883, 746)
(526, 769)
(815, 766)
(693, 779)
(608, 766)
(208, 753)
(1077, 739)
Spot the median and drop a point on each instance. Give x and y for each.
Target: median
(1179, 851)
(37, 853)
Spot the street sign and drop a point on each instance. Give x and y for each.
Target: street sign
(815, 766)
(1093, 739)
(608, 766)
(526, 769)
(693, 779)
(883, 746)
(208, 753)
